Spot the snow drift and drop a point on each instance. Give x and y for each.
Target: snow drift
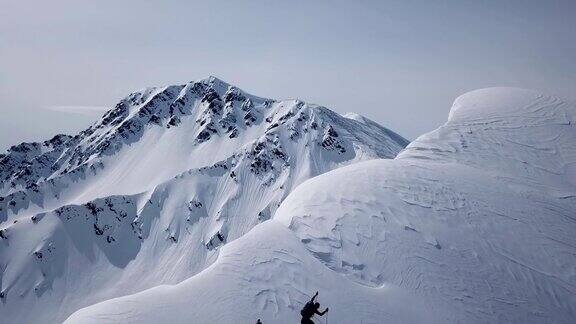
(472, 223)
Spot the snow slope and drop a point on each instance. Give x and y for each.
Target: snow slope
(472, 223)
(148, 195)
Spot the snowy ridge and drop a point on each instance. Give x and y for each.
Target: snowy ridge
(149, 194)
(472, 223)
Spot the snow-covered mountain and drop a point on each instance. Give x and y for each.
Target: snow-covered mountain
(149, 194)
(472, 223)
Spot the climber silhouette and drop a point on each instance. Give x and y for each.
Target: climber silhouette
(310, 309)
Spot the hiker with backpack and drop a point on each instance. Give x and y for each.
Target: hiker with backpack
(310, 309)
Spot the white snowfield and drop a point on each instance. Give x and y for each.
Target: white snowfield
(151, 193)
(474, 222)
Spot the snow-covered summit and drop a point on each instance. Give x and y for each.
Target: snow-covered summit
(498, 102)
(472, 223)
(519, 133)
(149, 194)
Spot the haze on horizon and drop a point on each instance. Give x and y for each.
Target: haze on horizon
(401, 64)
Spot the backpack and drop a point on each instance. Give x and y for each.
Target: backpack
(308, 310)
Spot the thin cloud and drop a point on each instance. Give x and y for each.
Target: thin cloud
(80, 110)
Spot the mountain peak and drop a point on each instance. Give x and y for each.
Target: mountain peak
(211, 79)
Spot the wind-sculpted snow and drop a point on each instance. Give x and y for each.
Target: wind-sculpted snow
(516, 133)
(472, 223)
(151, 193)
(265, 274)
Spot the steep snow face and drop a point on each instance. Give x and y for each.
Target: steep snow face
(472, 223)
(149, 194)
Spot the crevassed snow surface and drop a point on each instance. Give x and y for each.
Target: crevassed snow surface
(472, 223)
(149, 195)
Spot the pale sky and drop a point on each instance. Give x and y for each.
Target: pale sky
(400, 63)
